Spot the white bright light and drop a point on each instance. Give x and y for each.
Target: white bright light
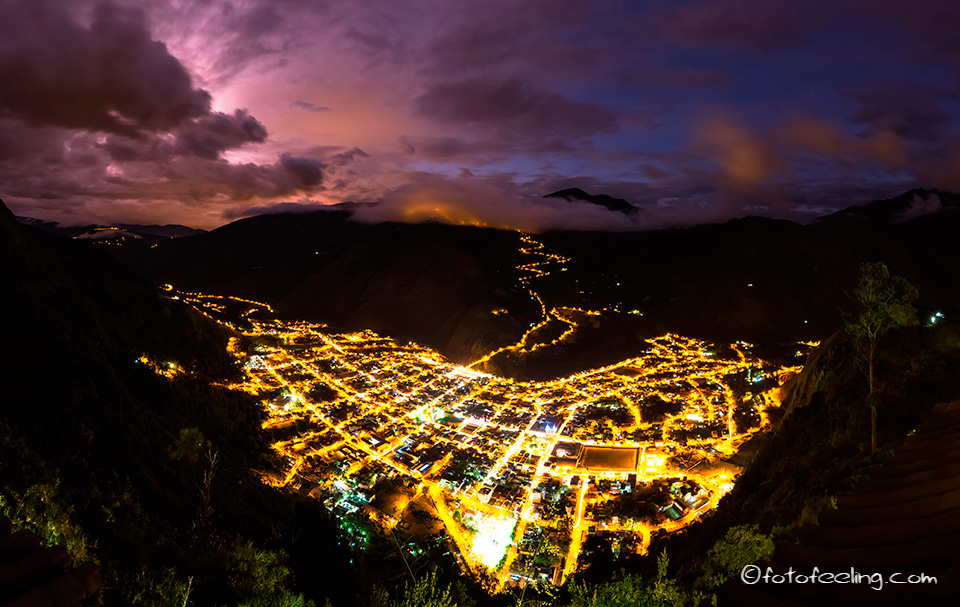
(493, 538)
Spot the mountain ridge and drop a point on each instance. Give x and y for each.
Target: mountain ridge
(618, 205)
(752, 278)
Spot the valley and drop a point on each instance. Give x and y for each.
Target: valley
(517, 474)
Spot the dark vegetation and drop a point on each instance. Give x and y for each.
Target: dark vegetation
(152, 478)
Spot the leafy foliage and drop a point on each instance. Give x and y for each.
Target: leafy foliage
(630, 590)
(741, 546)
(424, 592)
(882, 302)
(281, 597)
(255, 571)
(31, 497)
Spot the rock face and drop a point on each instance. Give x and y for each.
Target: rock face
(830, 368)
(38, 577)
(903, 521)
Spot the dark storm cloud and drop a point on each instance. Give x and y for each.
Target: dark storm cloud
(694, 109)
(102, 119)
(342, 159)
(124, 149)
(514, 107)
(20, 142)
(306, 171)
(202, 182)
(110, 76)
(81, 172)
(211, 135)
(206, 137)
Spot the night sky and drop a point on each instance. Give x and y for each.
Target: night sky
(201, 112)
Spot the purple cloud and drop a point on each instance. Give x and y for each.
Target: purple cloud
(110, 76)
(130, 108)
(211, 135)
(305, 105)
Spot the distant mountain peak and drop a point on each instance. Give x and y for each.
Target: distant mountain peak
(608, 202)
(904, 208)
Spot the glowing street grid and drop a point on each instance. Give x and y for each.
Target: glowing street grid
(502, 461)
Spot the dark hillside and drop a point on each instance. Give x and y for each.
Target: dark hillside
(762, 280)
(100, 452)
(431, 283)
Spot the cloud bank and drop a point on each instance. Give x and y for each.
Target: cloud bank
(699, 110)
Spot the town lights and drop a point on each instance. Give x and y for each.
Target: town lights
(354, 409)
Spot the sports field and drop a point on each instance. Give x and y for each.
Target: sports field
(615, 459)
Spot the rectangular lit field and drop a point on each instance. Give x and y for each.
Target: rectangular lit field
(617, 459)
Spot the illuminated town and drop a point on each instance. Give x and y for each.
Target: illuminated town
(510, 477)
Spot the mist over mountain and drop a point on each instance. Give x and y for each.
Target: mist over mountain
(160, 231)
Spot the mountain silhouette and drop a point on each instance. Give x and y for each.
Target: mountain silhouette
(609, 202)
